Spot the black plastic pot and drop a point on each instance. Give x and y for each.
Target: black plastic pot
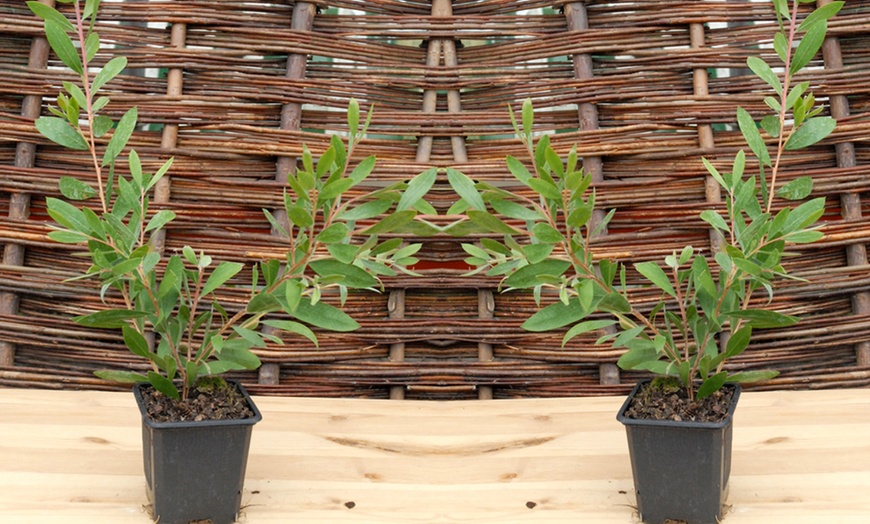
(680, 469)
(196, 470)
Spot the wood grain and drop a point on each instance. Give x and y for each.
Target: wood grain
(75, 457)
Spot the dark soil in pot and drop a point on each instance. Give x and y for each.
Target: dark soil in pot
(666, 400)
(211, 399)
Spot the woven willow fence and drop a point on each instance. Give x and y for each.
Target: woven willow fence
(233, 89)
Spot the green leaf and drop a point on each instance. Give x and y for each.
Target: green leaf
(366, 211)
(109, 318)
(545, 188)
(527, 276)
(823, 13)
(795, 94)
(464, 187)
(585, 327)
(714, 219)
(555, 316)
(780, 45)
(163, 385)
(804, 215)
(640, 357)
(763, 71)
(353, 276)
(333, 234)
(810, 132)
(121, 136)
(75, 189)
(656, 275)
(715, 173)
(781, 7)
(67, 215)
(325, 316)
(62, 45)
(761, 318)
(108, 72)
(391, 222)
(738, 341)
(48, 13)
(752, 376)
(293, 327)
(797, 189)
(163, 217)
(805, 237)
(363, 169)
(59, 131)
(263, 302)
(125, 377)
(102, 125)
(515, 211)
(770, 124)
(68, 237)
(711, 385)
(92, 45)
(809, 46)
(135, 341)
(417, 189)
(752, 136)
(221, 274)
(528, 117)
(546, 233)
(251, 338)
(490, 222)
(518, 169)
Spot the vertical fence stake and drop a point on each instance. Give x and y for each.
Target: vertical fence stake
(576, 16)
(850, 203)
(19, 203)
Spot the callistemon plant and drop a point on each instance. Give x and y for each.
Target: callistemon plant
(173, 313)
(704, 295)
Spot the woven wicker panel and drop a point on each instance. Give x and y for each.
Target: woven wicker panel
(233, 89)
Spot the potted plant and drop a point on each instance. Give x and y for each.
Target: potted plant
(678, 424)
(175, 311)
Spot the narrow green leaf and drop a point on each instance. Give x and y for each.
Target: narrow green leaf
(490, 222)
(367, 210)
(797, 189)
(163, 217)
(585, 327)
(353, 116)
(333, 234)
(518, 169)
(293, 327)
(555, 316)
(711, 385)
(221, 274)
(809, 46)
(109, 318)
(391, 222)
(738, 341)
(125, 377)
(760, 318)
(464, 187)
(770, 124)
(823, 13)
(545, 188)
(75, 189)
(752, 136)
(352, 276)
(325, 316)
(546, 233)
(714, 219)
(418, 187)
(263, 302)
(528, 117)
(516, 211)
(48, 13)
(67, 215)
(60, 131)
(62, 45)
(163, 385)
(656, 275)
(527, 276)
(764, 72)
(108, 72)
(363, 169)
(780, 45)
(121, 136)
(752, 376)
(135, 341)
(810, 132)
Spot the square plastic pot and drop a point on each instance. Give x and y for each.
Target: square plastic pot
(680, 469)
(196, 470)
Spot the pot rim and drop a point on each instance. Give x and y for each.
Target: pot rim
(626, 421)
(146, 420)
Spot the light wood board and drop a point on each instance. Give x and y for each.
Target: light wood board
(75, 457)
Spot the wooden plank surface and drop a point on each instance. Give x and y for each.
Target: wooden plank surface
(75, 457)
